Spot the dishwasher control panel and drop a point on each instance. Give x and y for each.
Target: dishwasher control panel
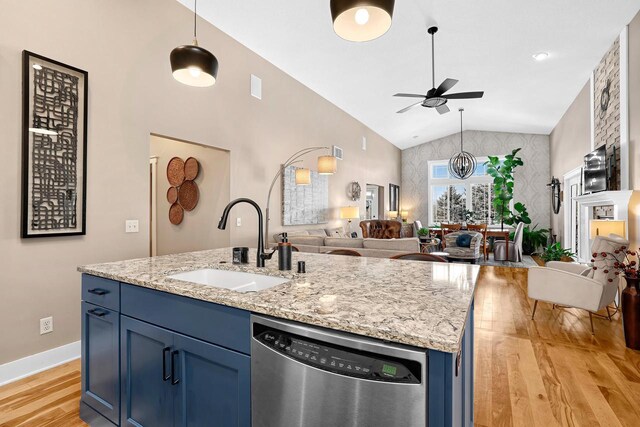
(339, 360)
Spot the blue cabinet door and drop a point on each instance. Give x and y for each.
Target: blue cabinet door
(147, 393)
(214, 385)
(100, 360)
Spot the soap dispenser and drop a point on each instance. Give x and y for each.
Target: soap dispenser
(284, 253)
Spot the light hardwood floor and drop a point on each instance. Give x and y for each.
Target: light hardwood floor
(546, 372)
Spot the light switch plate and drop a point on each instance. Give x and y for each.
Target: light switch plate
(131, 226)
(364, 143)
(256, 87)
(238, 222)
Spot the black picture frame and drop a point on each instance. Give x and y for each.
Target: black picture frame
(394, 198)
(53, 83)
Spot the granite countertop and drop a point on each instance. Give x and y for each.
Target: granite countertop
(421, 304)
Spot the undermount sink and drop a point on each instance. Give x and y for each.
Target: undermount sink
(233, 280)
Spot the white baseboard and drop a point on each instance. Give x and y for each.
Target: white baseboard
(21, 368)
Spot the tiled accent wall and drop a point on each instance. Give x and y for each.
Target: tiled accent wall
(530, 181)
(607, 123)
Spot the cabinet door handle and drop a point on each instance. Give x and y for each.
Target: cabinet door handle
(174, 380)
(98, 291)
(164, 363)
(98, 312)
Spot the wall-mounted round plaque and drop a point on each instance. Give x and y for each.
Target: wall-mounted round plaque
(176, 214)
(175, 171)
(188, 195)
(191, 169)
(172, 195)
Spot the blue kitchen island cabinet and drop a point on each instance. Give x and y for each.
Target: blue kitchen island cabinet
(156, 359)
(169, 379)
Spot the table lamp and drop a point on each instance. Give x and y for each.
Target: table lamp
(604, 227)
(404, 215)
(393, 214)
(349, 213)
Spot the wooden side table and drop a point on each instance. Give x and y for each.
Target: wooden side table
(429, 246)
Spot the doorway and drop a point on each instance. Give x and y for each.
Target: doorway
(197, 228)
(571, 222)
(374, 202)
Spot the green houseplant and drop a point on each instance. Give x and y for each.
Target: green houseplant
(503, 183)
(532, 239)
(556, 252)
(423, 233)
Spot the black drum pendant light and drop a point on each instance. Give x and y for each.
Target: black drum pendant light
(193, 65)
(463, 164)
(361, 20)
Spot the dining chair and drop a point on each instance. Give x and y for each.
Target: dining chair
(482, 229)
(347, 252)
(419, 257)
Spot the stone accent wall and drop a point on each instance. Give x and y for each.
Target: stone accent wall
(607, 122)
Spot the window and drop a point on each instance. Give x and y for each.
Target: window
(450, 197)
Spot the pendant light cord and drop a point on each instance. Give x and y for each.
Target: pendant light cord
(195, 22)
(461, 146)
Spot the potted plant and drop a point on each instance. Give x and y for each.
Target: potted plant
(556, 252)
(532, 239)
(423, 234)
(624, 262)
(502, 173)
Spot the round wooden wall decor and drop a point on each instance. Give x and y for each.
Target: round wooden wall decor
(191, 169)
(188, 195)
(175, 171)
(176, 214)
(172, 195)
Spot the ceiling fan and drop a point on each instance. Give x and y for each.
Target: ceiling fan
(435, 97)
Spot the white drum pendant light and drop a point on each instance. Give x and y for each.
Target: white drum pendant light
(193, 65)
(463, 164)
(361, 20)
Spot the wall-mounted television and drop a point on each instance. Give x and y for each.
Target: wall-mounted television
(595, 171)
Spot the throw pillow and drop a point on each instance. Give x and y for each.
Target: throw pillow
(335, 232)
(464, 241)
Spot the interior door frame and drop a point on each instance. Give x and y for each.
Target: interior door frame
(153, 205)
(569, 179)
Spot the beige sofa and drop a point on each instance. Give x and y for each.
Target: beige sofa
(313, 241)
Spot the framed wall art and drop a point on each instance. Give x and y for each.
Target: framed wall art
(54, 147)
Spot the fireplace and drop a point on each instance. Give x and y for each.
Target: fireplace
(604, 205)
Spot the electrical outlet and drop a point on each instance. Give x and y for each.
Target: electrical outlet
(46, 325)
(131, 226)
(238, 222)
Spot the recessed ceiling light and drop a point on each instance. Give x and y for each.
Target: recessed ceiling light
(37, 66)
(540, 56)
(415, 136)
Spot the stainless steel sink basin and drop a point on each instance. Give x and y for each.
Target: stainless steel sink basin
(233, 280)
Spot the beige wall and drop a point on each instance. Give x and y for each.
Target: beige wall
(198, 229)
(125, 45)
(569, 141)
(571, 138)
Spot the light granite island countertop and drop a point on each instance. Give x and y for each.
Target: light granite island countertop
(420, 304)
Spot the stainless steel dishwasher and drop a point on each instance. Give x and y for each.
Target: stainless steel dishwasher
(304, 376)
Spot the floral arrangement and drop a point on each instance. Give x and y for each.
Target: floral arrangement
(628, 266)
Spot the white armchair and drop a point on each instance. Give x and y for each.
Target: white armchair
(578, 285)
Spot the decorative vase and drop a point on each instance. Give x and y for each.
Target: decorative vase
(631, 313)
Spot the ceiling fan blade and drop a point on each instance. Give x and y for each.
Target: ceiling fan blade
(445, 86)
(409, 107)
(442, 109)
(464, 95)
(409, 95)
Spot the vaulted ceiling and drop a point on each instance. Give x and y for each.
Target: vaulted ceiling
(485, 44)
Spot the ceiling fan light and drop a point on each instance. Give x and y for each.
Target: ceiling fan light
(194, 66)
(434, 102)
(361, 20)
